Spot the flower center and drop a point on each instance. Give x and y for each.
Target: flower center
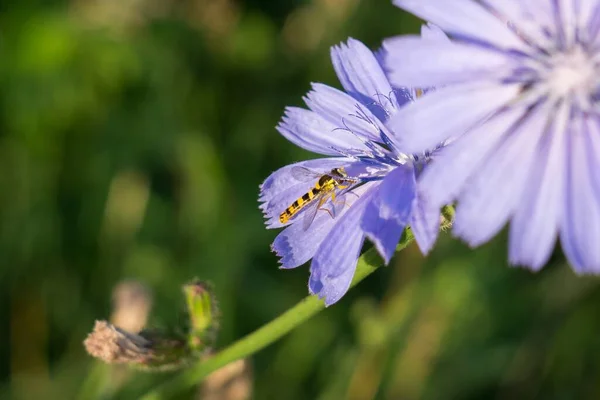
(571, 72)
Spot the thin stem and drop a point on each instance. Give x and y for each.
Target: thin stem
(265, 335)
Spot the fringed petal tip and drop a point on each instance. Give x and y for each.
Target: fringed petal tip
(580, 270)
(263, 198)
(432, 32)
(361, 74)
(315, 286)
(382, 249)
(271, 221)
(324, 291)
(348, 45)
(263, 203)
(465, 19)
(292, 248)
(296, 245)
(425, 222)
(284, 253)
(464, 233)
(280, 256)
(534, 268)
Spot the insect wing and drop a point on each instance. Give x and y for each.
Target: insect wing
(311, 211)
(338, 205)
(303, 174)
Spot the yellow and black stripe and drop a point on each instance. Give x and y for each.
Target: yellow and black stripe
(326, 183)
(299, 204)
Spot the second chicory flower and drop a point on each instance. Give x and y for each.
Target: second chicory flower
(377, 203)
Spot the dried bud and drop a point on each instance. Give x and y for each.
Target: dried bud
(147, 350)
(153, 349)
(116, 346)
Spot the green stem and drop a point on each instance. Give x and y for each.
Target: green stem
(265, 335)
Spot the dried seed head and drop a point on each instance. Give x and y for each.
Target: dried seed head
(116, 346)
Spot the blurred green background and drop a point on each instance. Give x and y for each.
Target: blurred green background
(133, 137)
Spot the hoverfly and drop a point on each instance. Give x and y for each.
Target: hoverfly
(327, 187)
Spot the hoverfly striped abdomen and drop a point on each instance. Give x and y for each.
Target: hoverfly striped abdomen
(324, 188)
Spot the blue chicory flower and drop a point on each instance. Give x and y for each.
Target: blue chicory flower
(349, 128)
(517, 91)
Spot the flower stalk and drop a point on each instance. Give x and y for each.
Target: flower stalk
(269, 333)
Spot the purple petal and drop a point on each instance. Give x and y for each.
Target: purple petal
(444, 178)
(334, 263)
(425, 222)
(517, 13)
(544, 16)
(383, 233)
(593, 147)
(509, 10)
(495, 190)
(534, 228)
(432, 33)
(415, 62)
(567, 19)
(312, 132)
(388, 213)
(542, 11)
(580, 228)
(280, 189)
(295, 245)
(464, 18)
(588, 14)
(344, 111)
(447, 112)
(397, 193)
(586, 9)
(362, 77)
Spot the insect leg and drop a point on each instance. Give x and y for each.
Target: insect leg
(311, 212)
(339, 204)
(332, 212)
(351, 192)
